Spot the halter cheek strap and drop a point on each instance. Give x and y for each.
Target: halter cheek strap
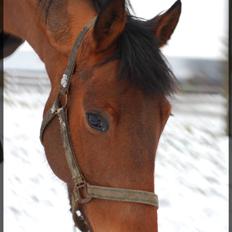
(84, 192)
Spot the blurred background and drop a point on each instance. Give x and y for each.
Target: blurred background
(192, 158)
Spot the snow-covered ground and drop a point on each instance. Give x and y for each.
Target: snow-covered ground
(191, 165)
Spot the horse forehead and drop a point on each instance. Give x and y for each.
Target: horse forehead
(119, 94)
(106, 88)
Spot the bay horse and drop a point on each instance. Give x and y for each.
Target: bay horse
(107, 106)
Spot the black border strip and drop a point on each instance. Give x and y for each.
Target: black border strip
(230, 69)
(230, 110)
(1, 117)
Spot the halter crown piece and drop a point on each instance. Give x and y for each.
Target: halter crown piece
(84, 192)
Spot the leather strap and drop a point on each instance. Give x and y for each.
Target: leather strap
(122, 194)
(116, 194)
(48, 117)
(70, 157)
(66, 79)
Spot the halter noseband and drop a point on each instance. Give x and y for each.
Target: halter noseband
(83, 192)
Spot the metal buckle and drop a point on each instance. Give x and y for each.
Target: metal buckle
(81, 193)
(64, 81)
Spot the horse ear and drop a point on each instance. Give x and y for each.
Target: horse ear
(109, 24)
(164, 24)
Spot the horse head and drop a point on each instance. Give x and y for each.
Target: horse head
(116, 103)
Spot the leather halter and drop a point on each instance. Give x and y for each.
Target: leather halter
(84, 192)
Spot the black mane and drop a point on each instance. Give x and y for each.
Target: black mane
(141, 61)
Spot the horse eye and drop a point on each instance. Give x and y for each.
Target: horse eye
(97, 122)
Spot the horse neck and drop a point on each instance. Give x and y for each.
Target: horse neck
(24, 19)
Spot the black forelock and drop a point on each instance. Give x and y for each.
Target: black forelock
(141, 61)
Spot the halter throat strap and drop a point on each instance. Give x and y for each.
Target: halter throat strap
(84, 192)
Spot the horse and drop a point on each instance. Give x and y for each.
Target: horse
(107, 106)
